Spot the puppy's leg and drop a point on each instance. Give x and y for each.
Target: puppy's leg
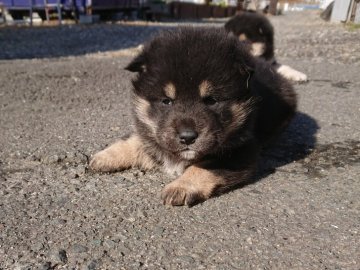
(291, 74)
(122, 155)
(198, 184)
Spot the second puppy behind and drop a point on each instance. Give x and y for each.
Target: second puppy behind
(256, 30)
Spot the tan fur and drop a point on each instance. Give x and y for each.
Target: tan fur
(170, 90)
(194, 182)
(257, 48)
(122, 155)
(141, 109)
(242, 37)
(239, 111)
(173, 168)
(239, 114)
(204, 88)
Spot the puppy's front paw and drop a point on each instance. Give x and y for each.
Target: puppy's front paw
(299, 77)
(104, 161)
(292, 74)
(178, 193)
(122, 155)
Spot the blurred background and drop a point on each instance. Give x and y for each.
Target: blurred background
(64, 95)
(90, 11)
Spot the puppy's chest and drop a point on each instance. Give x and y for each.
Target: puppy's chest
(166, 163)
(174, 168)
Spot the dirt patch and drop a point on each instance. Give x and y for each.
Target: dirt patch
(333, 155)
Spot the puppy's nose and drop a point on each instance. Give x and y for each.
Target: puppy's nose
(188, 136)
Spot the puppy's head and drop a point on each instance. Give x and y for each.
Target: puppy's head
(191, 94)
(255, 29)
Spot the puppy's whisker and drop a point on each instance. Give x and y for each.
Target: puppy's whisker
(247, 80)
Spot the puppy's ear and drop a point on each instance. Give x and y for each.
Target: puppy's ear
(137, 64)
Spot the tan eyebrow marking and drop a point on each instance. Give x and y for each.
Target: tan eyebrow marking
(170, 90)
(242, 37)
(204, 88)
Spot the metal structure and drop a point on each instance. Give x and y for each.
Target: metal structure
(346, 11)
(32, 6)
(340, 11)
(90, 7)
(47, 6)
(80, 6)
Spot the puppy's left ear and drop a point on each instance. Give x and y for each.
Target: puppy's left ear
(137, 64)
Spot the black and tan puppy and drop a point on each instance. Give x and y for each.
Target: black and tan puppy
(203, 108)
(256, 30)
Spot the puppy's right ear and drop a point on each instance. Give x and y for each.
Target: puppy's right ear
(137, 64)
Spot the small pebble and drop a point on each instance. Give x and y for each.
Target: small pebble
(77, 248)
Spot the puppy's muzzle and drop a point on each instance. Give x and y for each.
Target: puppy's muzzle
(187, 136)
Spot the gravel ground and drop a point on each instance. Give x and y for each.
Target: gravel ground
(64, 95)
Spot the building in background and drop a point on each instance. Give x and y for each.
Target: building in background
(346, 11)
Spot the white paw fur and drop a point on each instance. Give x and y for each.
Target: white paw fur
(292, 74)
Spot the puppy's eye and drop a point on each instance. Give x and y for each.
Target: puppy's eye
(167, 101)
(209, 100)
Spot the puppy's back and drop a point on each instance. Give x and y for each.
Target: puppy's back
(277, 104)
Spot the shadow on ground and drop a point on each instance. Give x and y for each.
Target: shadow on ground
(296, 143)
(72, 40)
